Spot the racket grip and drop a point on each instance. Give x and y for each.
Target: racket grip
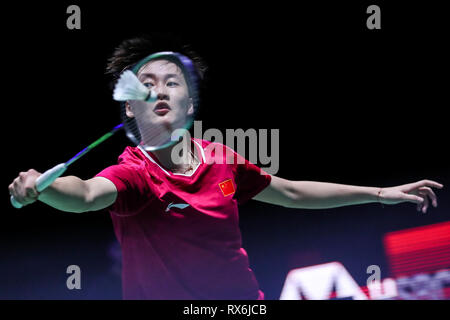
(49, 176)
(44, 181)
(15, 204)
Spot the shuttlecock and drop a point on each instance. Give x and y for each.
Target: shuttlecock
(128, 87)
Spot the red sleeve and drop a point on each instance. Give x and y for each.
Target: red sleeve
(132, 190)
(250, 179)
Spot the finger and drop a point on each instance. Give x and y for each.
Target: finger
(413, 198)
(19, 193)
(24, 200)
(31, 193)
(425, 203)
(424, 183)
(14, 191)
(10, 189)
(419, 207)
(14, 187)
(430, 193)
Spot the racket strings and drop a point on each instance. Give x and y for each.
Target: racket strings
(154, 136)
(141, 129)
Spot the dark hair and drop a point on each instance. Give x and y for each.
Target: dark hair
(132, 50)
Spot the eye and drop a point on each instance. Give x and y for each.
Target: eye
(148, 84)
(172, 84)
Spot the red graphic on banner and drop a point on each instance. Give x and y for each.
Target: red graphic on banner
(419, 250)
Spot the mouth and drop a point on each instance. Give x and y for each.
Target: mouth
(161, 108)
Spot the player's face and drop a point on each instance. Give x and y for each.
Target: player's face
(173, 106)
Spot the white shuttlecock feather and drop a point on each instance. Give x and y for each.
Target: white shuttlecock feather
(128, 87)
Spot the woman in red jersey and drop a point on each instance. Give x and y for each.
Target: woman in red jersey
(177, 223)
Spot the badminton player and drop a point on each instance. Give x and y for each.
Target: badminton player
(177, 223)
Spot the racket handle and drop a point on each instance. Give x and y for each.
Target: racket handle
(49, 176)
(15, 204)
(44, 181)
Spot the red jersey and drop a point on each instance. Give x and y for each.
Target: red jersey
(179, 234)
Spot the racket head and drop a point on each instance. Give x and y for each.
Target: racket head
(155, 136)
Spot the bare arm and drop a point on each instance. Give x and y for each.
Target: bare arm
(323, 195)
(70, 194)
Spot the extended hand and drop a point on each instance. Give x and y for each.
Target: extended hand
(418, 192)
(23, 188)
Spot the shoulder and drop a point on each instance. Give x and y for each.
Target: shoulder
(127, 164)
(129, 172)
(131, 156)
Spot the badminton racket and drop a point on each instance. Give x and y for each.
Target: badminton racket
(147, 127)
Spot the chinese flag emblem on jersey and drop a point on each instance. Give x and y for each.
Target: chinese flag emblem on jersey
(227, 187)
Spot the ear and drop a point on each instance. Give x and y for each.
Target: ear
(191, 107)
(128, 110)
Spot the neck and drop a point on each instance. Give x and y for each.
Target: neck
(186, 160)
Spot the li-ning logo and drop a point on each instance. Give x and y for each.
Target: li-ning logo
(176, 205)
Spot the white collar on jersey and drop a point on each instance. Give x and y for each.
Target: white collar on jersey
(171, 173)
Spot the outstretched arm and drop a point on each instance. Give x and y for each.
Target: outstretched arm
(323, 195)
(70, 194)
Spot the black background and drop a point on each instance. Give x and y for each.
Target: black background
(354, 106)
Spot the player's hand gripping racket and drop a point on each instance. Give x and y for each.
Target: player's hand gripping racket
(143, 126)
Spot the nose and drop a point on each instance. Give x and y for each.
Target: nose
(161, 93)
(162, 96)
